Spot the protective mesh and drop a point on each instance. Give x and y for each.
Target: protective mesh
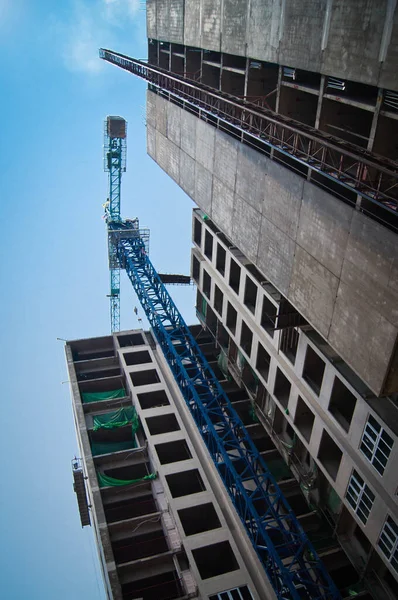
(97, 396)
(118, 418)
(105, 480)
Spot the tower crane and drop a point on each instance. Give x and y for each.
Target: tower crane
(291, 563)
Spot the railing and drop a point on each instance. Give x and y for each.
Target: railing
(370, 176)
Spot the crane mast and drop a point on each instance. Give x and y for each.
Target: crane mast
(288, 557)
(115, 165)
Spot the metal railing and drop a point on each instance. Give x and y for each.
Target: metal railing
(370, 176)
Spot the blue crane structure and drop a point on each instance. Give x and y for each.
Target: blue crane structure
(291, 563)
(115, 164)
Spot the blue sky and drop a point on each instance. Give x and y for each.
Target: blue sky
(55, 93)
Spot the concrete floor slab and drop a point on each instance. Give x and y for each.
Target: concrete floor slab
(233, 40)
(203, 188)
(151, 112)
(188, 133)
(264, 27)
(355, 56)
(162, 18)
(174, 123)
(151, 19)
(151, 141)
(222, 206)
(205, 135)
(313, 290)
(250, 176)
(283, 191)
(324, 227)
(192, 23)
(303, 50)
(176, 23)
(370, 265)
(275, 255)
(168, 156)
(211, 24)
(246, 225)
(161, 114)
(225, 158)
(362, 336)
(187, 174)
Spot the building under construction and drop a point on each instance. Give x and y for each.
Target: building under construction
(280, 120)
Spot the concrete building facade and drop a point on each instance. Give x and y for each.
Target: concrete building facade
(304, 310)
(338, 441)
(332, 253)
(164, 525)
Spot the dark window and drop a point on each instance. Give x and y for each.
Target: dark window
(231, 318)
(162, 424)
(215, 560)
(304, 419)
(137, 358)
(206, 284)
(250, 297)
(314, 368)
(282, 388)
(197, 232)
(268, 316)
(196, 519)
(329, 455)
(144, 377)
(263, 361)
(218, 299)
(208, 245)
(342, 404)
(195, 269)
(246, 339)
(172, 452)
(131, 339)
(153, 399)
(234, 276)
(185, 483)
(220, 260)
(289, 343)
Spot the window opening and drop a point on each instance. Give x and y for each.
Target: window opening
(220, 260)
(342, 404)
(250, 297)
(246, 339)
(208, 245)
(218, 299)
(313, 371)
(234, 276)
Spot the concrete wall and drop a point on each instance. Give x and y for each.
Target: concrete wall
(347, 439)
(339, 268)
(353, 40)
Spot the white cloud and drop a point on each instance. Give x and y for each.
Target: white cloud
(92, 25)
(116, 11)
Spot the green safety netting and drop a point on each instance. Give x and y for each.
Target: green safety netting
(222, 362)
(98, 448)
(97, 396)
(105, 480)
(252, 413)
(118, 418)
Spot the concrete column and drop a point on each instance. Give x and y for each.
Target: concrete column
(320, 100)
(376, 113)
